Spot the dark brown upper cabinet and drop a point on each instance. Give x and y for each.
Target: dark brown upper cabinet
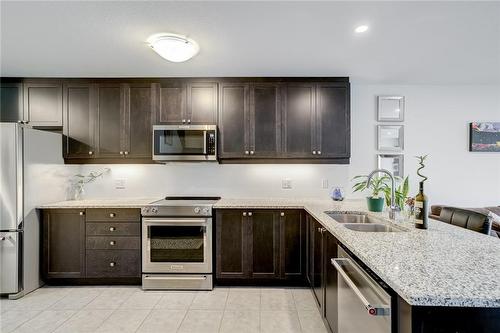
(43, 103)
(316, 121)
(108, 121)
(11, 101)
(299, 120)
(332, 121)
(184, 102)
(249, 120)
(79, 120)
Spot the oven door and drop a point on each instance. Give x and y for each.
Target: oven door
(183, 142)
(176, 245)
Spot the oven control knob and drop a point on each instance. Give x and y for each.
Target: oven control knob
(145, 210)
(154, 210)
(206, 211)
(197, 210)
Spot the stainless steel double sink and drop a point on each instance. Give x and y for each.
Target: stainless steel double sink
(362, 222)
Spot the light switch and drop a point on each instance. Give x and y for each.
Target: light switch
(286, 183)
(120, 183)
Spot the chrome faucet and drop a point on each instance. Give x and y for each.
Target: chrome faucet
(393, 208)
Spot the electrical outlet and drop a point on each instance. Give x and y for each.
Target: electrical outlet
(324, 183)
(286, 183)
(120, 183)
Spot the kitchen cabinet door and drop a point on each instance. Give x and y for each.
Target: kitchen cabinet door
(11, 102)
(331, 298)
(292, 244)
(265, 120)
(316, 234)
(172, 102)
(43, 103)
(298, 120)
(264, 244)
(110, 106)
(63, 233)
(231, 244)
(201, 103)
(79, 123)
(137, 122)
(233, 121)
(333, 121)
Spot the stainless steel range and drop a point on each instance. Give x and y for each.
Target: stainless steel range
(177, 243)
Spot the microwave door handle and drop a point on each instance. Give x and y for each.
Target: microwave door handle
(372, 310)
(204, 142)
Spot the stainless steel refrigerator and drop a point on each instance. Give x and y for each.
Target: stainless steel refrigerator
(31, 174)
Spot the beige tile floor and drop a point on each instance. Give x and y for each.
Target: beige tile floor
(129, 309)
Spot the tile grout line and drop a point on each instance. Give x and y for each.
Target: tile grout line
(185, 314)
(55, 328)
(144, 319)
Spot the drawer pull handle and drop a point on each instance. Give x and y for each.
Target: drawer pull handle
(112, 228)
(112, 214)
(250, 214)
(82, 213)
(112, 264)
(112, 243)
(282, 214)
(244, 213)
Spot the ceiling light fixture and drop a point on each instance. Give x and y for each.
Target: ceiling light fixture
(361, 29)
(172, 47)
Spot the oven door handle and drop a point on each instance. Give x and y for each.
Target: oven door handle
(160, 221)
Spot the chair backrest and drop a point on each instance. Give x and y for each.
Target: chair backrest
(466, 219)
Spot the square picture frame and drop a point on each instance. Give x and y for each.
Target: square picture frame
(392, 162)
(390, 138)
(390, 108)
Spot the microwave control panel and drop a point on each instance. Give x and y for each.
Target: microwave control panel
(211, 142)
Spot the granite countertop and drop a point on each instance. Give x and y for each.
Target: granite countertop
(100, 203)
(441, 266)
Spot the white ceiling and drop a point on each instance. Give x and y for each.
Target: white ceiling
(408, 42)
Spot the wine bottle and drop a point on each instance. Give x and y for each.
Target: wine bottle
(421, 209)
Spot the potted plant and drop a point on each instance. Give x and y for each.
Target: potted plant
(401, 192)
(378, 186)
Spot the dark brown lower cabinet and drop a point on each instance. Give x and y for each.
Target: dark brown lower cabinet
(91, 246)
(260, 245)
(315, 259)
(63, 234)
(330, 281)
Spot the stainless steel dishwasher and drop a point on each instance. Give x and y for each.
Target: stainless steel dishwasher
(363, 305)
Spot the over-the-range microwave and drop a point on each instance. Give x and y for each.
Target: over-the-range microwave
(184, 143)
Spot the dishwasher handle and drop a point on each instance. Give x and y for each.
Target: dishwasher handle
(374, 310)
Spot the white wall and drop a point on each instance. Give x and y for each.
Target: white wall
(436, 124)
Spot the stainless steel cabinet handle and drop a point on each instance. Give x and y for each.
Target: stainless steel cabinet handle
(282, 214)
(82, 213)
(112, 228)
(183, 121)
(121, 153)
(189, 121)
(125, 152)
(372, 309)
(112, 243)
(250, 214)
(314, 152)
(246, 152)
(244, 213)
(112, 214)
(319, 229)
(91, 152)
(319, 152)
(251, 152)
(112, 264)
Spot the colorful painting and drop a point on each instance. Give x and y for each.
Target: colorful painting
(485, 137)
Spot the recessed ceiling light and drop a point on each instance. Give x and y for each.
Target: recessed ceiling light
(361, 28)
(172, 47)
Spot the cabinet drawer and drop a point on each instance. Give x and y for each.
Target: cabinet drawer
(113, 263)
(113, 229)
(114, 214)
(113, 243)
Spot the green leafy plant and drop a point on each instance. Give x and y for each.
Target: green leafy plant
(378, 185)
(421, 160)
(401, 192)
